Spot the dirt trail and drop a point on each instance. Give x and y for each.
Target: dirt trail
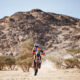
(47, 72)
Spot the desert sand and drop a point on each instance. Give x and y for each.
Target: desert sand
(47, 72)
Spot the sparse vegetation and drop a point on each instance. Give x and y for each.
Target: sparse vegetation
(73, 62)
(10, 62)
(73, 51)
(7, 61)
(2, 62)
(24, 60)
(68, 62)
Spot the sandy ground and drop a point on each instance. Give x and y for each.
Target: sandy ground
(47, 72)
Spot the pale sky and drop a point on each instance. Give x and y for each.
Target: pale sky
(67, 7)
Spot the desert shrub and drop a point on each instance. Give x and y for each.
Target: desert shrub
(73, 50)
(24, 60)
(28, 44)
(72, 63)
(10, 61)
(75, 61)
(25, 64)
(2, 62)
(7, 61)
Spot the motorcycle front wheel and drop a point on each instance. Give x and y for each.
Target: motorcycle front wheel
(36, 71)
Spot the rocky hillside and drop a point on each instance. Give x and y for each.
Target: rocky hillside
(50, 30)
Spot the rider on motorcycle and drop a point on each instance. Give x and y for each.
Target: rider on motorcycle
(37, 52)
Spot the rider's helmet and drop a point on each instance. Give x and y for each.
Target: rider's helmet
(36, 45)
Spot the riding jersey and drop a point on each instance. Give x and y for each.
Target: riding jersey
(37, 50)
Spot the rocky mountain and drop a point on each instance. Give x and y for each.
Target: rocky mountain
(48, 29)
